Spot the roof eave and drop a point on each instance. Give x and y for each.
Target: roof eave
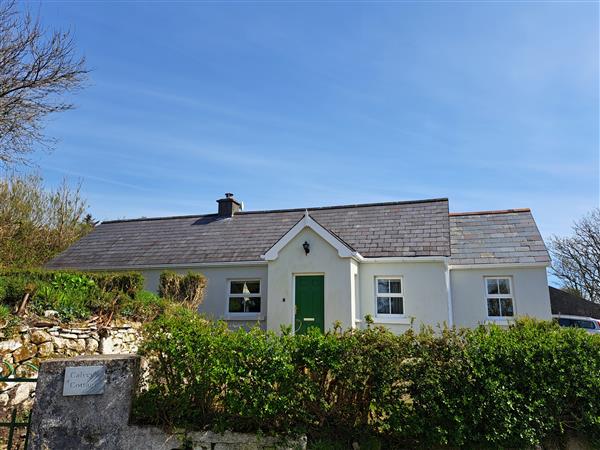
(498, 265)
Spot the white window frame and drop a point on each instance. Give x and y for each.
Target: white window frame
(243, 315)
(511, 295)
(389, 294)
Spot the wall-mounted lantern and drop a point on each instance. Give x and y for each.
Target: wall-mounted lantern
(306, 247)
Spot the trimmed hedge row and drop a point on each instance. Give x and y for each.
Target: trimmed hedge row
(487, 387)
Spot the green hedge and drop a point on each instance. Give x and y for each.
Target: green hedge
(487, 387)
(186, 289)
(79, 295)
(127, 282)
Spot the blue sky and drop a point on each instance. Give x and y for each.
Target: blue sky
(492, 104)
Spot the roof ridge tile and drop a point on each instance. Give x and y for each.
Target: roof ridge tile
(491, 212)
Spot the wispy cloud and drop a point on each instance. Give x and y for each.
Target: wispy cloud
(88, 176)
(479, 102)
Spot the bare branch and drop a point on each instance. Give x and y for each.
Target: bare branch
(37, 67)
(576, 259)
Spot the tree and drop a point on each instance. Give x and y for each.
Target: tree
(36, 69)
(35, 223)
(576, 259)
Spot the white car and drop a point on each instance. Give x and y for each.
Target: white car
(590, 324)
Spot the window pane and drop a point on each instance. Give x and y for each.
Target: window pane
(507, 306)
(397, 306)
(252, 287)
(383, 305)
(383, 286)
(504, 286)
(493, 307)
(252, 304)
(245, 287)
(492, 286)
(237, 287)
(565, 322)
(585, 324)
(236, 304)
(395, 287)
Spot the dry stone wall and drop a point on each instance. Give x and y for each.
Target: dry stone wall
(31, 345)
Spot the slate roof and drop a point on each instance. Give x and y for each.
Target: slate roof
(565, 303)
(417, 228)
(496, 237)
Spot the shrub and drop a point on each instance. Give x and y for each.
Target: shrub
(186, 387)
(488, 387)
(8, 322)
(129, 283)
(12, 289)
(536, 380)
(70, 302)
(78, 295)
(144, 306)
(260, 382)
(186, 289)
(340, 375)
(28, 274)
(5, 314)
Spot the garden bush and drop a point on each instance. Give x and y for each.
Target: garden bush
(186, 383)
(127, 282)
(485, 388)
(79, 295)
(186, 289)
(144, 305)
(536, 380)
(72, 295)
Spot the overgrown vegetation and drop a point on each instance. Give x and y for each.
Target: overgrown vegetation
(37, 223)
(76, 296)
(487, 387)
(186, 289)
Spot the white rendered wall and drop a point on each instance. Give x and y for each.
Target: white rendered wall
(323, 259)
(215, 301)
(530, 296)
(423, 286)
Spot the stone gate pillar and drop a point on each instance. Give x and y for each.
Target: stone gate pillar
(83, 402)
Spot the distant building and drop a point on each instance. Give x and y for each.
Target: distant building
(572, 305)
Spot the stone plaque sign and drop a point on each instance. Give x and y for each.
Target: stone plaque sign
(84, 380)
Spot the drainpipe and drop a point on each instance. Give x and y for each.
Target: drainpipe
(449, 289)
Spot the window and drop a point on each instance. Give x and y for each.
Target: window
(244, 297)
(388, 293)
(587, 324)
(565, 322)
(579, 323)
(499, 297)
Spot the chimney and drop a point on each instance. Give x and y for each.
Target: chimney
(228, 206)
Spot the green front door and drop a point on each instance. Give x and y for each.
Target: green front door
(310, 301)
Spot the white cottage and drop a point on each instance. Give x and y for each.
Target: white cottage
(402, 263)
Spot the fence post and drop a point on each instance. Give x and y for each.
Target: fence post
(11, 430)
